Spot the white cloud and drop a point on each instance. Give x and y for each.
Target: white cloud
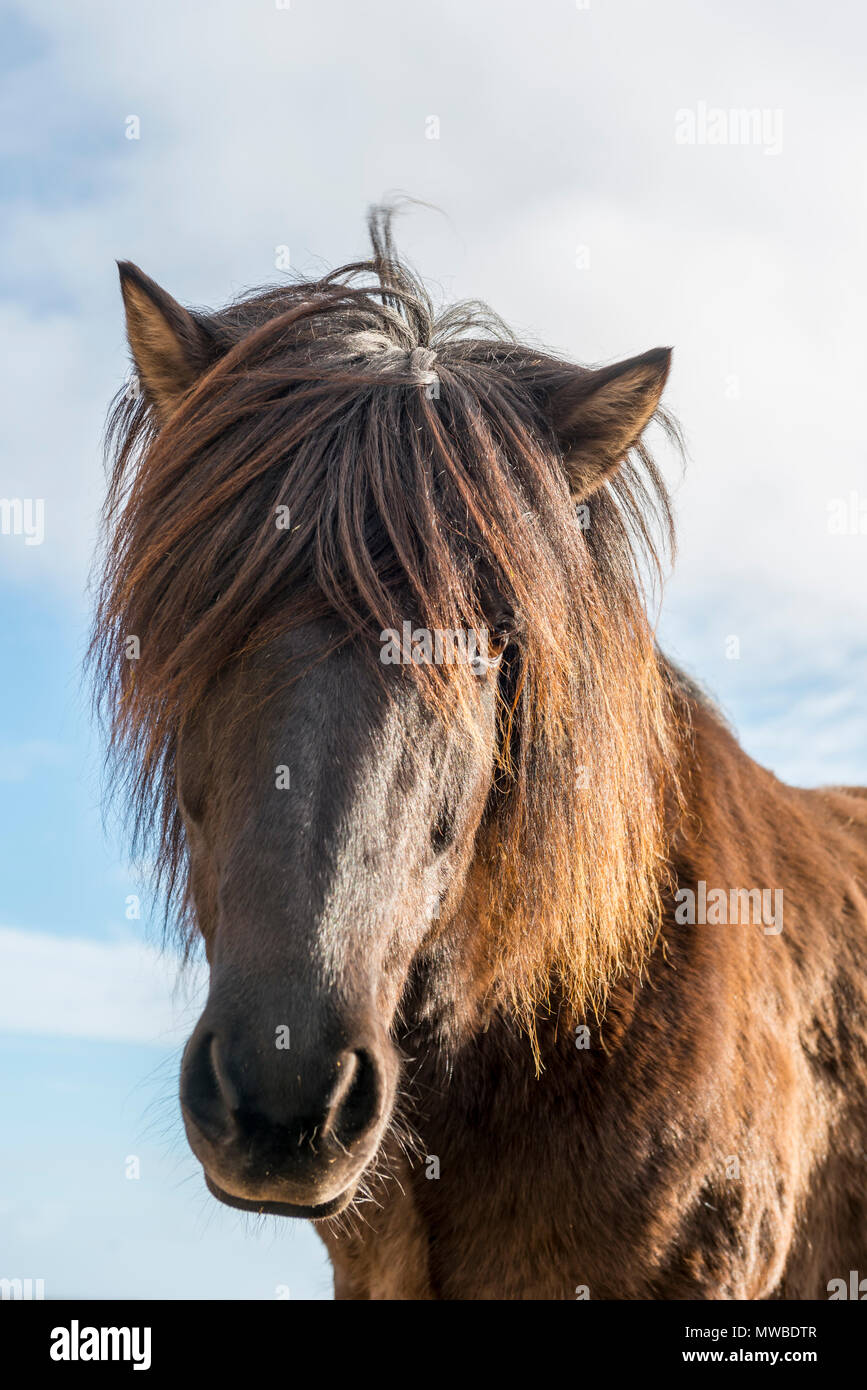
(124, 991)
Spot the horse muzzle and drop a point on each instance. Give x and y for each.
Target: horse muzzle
(285, 1132)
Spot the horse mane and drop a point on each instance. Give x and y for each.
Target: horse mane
(398, 501)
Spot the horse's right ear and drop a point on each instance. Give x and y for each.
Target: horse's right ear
(170, 346)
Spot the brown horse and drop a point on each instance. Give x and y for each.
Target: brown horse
(525, 981)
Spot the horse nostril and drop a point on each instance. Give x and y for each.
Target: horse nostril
(208, 1094)
(356, 1102)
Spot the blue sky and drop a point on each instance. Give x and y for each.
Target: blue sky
(568, 203)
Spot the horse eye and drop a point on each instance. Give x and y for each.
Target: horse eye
(506, 626)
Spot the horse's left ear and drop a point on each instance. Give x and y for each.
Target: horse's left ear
(170, 346)
(598, 415)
